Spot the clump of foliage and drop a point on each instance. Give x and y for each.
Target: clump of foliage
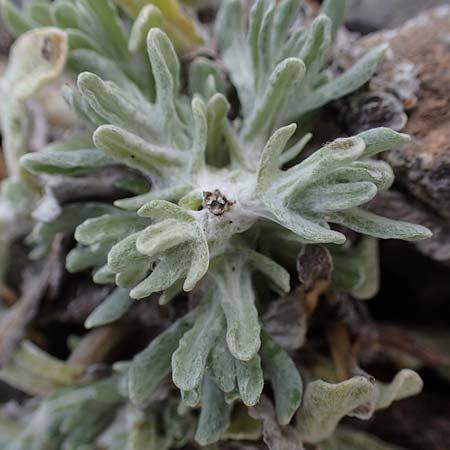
(220, 202)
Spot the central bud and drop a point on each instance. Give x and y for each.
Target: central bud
(217, 203)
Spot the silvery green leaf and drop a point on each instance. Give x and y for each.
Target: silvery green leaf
(86, 60)
(335, 10)
(200, 72)
(284, 377)
(67, 162)
(132, 276)
(262, 14)
(149, 17)
(377, 172)
(166, 70)
(111, 309)
(166, 272)
(101, 234)
(135, 185)
(405, 384)
(71, 216)
(171, 194)
(368, 223)
(231, 40)
(250, 380)
(117, 107)
(163, 236)
(295, 150)
(78, 104)
(277, 274)
(368, 257)
(309, 232)
(95, 29)
(232, 276)
(284, 14)
(336, 197)
(200, 138)
(269, 162)
(221, 364)
(40, 12)
(151, 365)
(317, 44)
(288, 72)
(323, 162)
(15, 20)
(17, 199)
(190, 259)
(332, 178)
(64, 14)
(295, 42)
(124, 255)
(381, 139)
(98, 19)
(325, 404)
(218, 108)
(180, 27)
(193, 200)
(75, 141)
(78, 39)
(104, 275)
(237, 298)
(83, 257)
(348, 82)
(189, 360)
(85, 429)
(108, 227)
(214, 416)
(135, 152)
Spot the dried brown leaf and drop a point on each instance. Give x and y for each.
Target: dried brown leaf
(14, 322)
(275, 436)
(286, 320)
(314, 267)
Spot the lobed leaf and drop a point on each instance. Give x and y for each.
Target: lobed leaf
(368, 223)
(237, 297)
(250, 380)
(189, 360)
(65, 163)
(405, 384)
(325, 404)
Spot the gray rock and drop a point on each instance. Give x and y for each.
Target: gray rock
(370, 15)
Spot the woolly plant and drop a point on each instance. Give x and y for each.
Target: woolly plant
(220, 201)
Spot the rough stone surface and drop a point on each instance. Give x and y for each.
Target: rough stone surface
(422, 168)
(371, 15)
